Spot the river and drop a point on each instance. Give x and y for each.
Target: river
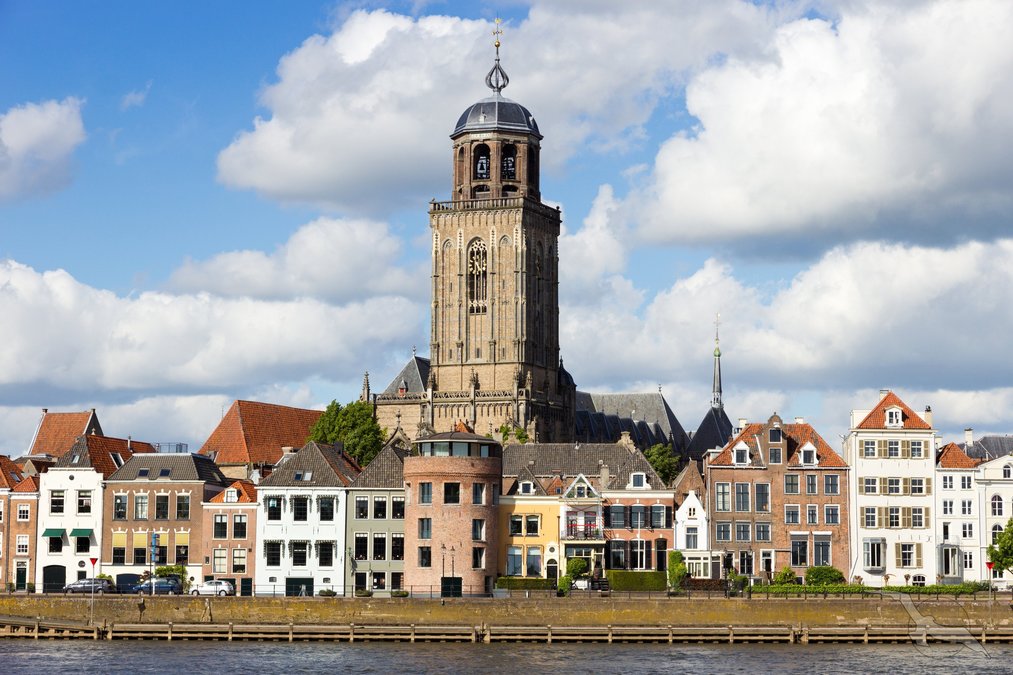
(82, 656)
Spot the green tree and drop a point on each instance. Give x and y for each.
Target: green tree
(664, 462)
(354, 426)
(677, 571)
(785, 576)
(576, 568)
(821, 575)
(1001, 552)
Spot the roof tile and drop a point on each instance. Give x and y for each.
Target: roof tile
(57, 431)
(952, 457)
(876, 419)
(254, 433)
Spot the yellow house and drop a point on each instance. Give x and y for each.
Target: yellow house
(529, 526)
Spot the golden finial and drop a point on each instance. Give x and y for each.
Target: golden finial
(496, 33)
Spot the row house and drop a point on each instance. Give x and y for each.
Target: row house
(152, 514)
(301, 519)
(891, 450)
(375, 526)
(994, 498)
(230, 536)
(777, 498)
(70, 507)
(958, 516)
(17, 527)
(532, 522)
(692, 526)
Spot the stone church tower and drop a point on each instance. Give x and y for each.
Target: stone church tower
(494, 341)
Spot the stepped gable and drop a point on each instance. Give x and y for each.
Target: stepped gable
(97, 452)
(57, 431)
(255, 433)
(876, 419)
(385, 471)
(315, 465)
(953, 457)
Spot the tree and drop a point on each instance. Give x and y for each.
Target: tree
(821, 575)
(576, 568)
(677, 571)
(664, 462)
(354, 426)
(1001, 552)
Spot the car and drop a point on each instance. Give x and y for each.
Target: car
(214, 587)
(161, 587)
(98, 586)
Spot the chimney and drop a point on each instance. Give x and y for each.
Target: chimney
(969, 437)
(742, 423)
(287, 449)
(883, 393)
(604, 476)
(45, 410)
(128, 443)
(928, 415)
(799, 420)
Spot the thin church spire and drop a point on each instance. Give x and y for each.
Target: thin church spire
(716, 401)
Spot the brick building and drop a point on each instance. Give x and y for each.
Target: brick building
(230, 536)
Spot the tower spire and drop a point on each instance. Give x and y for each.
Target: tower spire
(497, 79)
(716, 393)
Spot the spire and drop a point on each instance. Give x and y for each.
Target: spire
(497, 79)
(716, 394)
(364, 395)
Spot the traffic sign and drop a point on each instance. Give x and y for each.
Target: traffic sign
(93, 561)
(989, 565)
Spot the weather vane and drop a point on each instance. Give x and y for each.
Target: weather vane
(717, 326)
(496, 33)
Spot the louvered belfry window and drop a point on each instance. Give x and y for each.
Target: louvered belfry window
(477, 277)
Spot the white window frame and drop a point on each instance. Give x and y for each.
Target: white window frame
(793, 508)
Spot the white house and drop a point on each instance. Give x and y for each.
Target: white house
(958, 517)
(301, 522)
(994, 487)
(891, 450)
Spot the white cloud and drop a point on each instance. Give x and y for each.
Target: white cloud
(37, 141)
(890, 122)
(136, 99)
(338, 260)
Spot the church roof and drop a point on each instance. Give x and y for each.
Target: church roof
(496, 113)
(415, 376)
(714, 431)
(607, 415)
(989, 447)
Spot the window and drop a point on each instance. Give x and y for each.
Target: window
(477, 269)
(916, 449)
(361, 507)
(119, 555)
(396, 546)
(425, 528)
(326, 508)
(907, 555)
(873, 552)
(182, 555)
(274, 508)
(56, 498)
(723, 532)
(893, 448)
(775, 455)
(478, 529)
(799, 552)
(361, 550)
(140, 507)
(967, 530)
(531, 525)
(379, 508)
(968, 560)
(893, 516)
(516, 526)
(996, 531)
(723, 497)
(742, 531)
(231, 496)
(762, 496)
(965, 482)
(379, 546)
(869, 449)
(742, 496)
(917, 486)
(182, 507)
(774, 435)
(996, 505)
(893, 486)
(821, 551)
(791, 515)
(513, 562)
(870, 516)
(119, 507)
(527, 488)
(746, 562)
(299, 553)
(947, 482)
(84, 501)
(478, 493)
(893, 418)
(396, 581)
(767, 561)
(300, 509)
(397, 508)
(221, 529)
(239, 561)
(272, 552)
(692, 537)
(24, 512)
(161, 507)
(477, 557)
(947, 507)
(56, 544)
(451, 493)
(809, 456)
(425, 493)
(763, 532)
(810, 484)
(812, 514)
(831, 484)
(658, 519)
(871, 485)
(791, 484)
(139, 555)
(219, 561)
(638, 516)
(534, 561)
(1007, 471)
(143, 473)
(638, 480)
(22, 544)
(742, 455)
(965, 507)
(917, 516)
(831, 514)
(617, 515)
(379, 581)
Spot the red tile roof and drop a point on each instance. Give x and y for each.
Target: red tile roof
(10, 473)
(952, 457)
(247, 493)
(101, 448)
(29, 484)
(58, 431)
(876, 419)
(254, 433)
(795, 435)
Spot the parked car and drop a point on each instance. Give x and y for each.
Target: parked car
(214, 587)
(161, 587)
(98, 586)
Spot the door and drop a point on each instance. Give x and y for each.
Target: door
(552, 571)
(54, 578)
(246, 586)
(21, 577)
(299, 586)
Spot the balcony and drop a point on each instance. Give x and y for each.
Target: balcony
(580, 533)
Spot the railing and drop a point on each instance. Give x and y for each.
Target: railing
(492, 203)
(583, 533)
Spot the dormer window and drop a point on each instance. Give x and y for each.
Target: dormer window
(527, 487)
(1007, 471)
(740, 455)
(164, 473)
(808, 455)
(581, 491)
(638, 480)
(231, 496)
(774, 435)
(142, 473)
(117, 460)
(894, 417)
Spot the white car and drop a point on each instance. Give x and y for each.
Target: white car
(214, 587)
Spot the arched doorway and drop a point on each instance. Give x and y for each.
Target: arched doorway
(54, 578)
(552, 571)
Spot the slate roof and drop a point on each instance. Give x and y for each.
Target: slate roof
(57, 431)
(952, 457)
(96, 452)
(10, 473)
(415, 375)
(247, 493)
(989, 447)
(876, 419)
(602, 417)
(182, 467)
(385, 471)
(329, 464)
(795, 436)
(254, 433)
(571, 460)
(714, 431)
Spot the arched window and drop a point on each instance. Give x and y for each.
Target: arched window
(480, 192)
(461, 165)
(996, 531)
(508, 165)
(996, 505)
(481, 162)
(1007, 471)
(478, 291)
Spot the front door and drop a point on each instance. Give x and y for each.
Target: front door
(246, 586)
(552, 570)
(54, 578)
(21, 577)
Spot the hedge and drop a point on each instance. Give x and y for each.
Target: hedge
(525, 583)
(625, 580)
(836, 589)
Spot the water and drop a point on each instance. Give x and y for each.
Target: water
(81, 656)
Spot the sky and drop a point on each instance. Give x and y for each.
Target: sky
(202, 202)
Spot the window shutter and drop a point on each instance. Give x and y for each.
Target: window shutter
(668, 516)
(928, 486)
(884, 486)
(905, 488)
(606, 514)
(905, 449)
(861, 486)
(896, 551)
(647, 556)
(927, 520)
(881, 448)
(905, 517)
(881, 517)
(918, 555)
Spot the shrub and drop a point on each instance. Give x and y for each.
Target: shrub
(627, 580)
(565, 584)
(399, 594)
(576, 567)
(823, 575)
(363, 593)
(327, 592)
(677, 571)
(785, 576)
(524, 583)
(30, 587)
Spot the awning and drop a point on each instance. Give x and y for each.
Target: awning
(53, 532)
(182, 539)
(120, 539)
(140, 539)
(81, 532)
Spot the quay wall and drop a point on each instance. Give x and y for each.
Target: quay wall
(571, 611)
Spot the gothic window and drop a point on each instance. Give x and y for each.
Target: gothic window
(508, 167)
(477, 277)
(482, 162)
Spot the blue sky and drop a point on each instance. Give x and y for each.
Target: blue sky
(187, 189)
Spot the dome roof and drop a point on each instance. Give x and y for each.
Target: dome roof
(496, 113)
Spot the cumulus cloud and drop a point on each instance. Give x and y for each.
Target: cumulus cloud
(890, 121)
(37, 141)
(338, 260)
(136, 99)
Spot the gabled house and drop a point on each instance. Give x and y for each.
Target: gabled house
(958, 517)
(70, 508)
(252, 437)
(994, 487)
(537, 513)
(692, 526)
(13, 558)
(22, 530)
(230, 536)
(301, 521)
(58, 431)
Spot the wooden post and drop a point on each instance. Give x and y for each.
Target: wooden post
(36, 632)
(413, 633)
(731, 635)
(610, 633)
(290, 631)
(549, 636)
(669, 633)
(230, 631)
(170, 632)
(351, 632)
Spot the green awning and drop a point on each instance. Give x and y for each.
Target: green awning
(53, 532)
(82, 532)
